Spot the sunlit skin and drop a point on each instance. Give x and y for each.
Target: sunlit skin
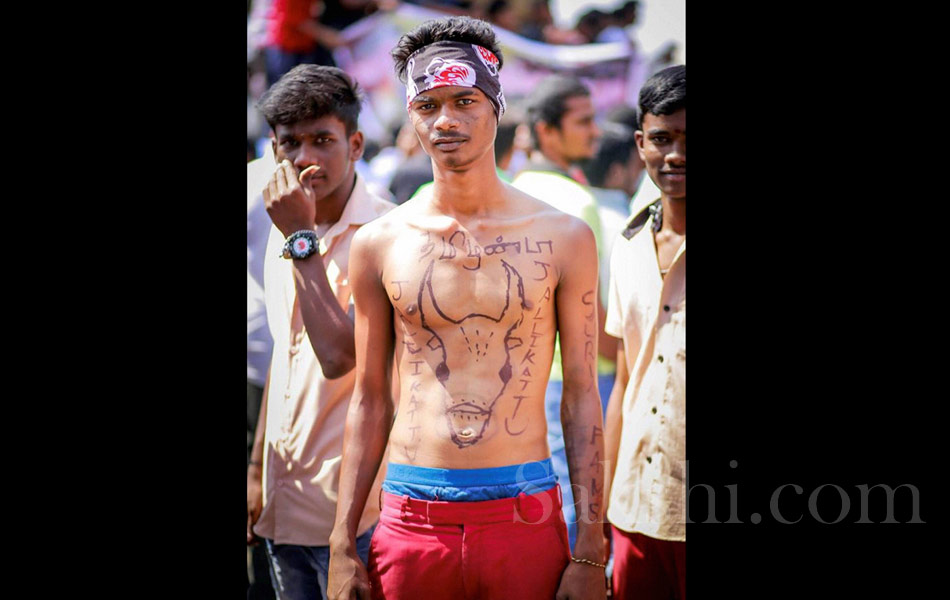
(662, 146)
(461, 293)
(453, 126)
(323, 146)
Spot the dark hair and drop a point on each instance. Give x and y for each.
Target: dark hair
(616, 145)
(626, 10)
(310, 92)
(591, 19)
(496, 7)
(548, 101)
(448, 29)
(664, 93)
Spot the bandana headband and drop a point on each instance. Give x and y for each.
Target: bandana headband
(454, 63)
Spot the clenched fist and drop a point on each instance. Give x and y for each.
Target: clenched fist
(290, 202)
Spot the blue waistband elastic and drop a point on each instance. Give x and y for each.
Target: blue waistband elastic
(468, 485)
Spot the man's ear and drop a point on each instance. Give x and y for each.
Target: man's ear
(356, 146)
(273, 143)
(638, 136)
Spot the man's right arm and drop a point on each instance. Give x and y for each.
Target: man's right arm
(368, 419)
(613, 419)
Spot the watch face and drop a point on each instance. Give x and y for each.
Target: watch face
(301, 246)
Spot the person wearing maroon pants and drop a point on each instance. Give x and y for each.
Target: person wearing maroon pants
(645, 436)
(459, 294)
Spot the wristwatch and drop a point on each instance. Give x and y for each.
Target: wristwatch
(301, 244)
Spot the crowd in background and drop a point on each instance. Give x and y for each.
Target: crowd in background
(393, 163)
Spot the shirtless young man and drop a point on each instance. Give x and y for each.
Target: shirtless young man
(461, 291)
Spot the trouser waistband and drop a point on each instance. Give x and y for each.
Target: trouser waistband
(539, 469)
(529, 508)
(469, 485)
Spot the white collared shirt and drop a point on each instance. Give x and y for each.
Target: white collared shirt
(648, 493)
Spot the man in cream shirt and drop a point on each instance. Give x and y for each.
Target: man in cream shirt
(646, 307)
(317, 202)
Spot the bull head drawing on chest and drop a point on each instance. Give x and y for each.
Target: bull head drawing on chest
(485, 339)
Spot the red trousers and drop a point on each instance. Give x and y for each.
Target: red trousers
(646, 568)
(508, 548)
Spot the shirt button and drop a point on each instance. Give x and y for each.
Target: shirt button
(649, 460)
(666, 307)
(660, 358)
(653, 410)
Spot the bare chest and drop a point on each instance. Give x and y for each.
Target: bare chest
(438, 278)
(475, 325)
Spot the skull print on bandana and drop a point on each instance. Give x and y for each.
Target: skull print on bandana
(455, 63)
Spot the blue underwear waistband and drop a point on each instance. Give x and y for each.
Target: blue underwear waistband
(469, 485)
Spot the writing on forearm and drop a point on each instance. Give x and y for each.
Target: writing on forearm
(583, 425)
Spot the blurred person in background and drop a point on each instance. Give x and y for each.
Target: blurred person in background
(399, 146)
(590, 24)
(645, 190)
(259, 342)
(508, 144)
(538, 24)
(560, 116)
(503, 14)
(613, 174)
(451, 7)
(617, 24)
(615, 170)
(316, 201)
(307, 31)
(295, 37)
(645, 441)
(414, 167)
(564, 133)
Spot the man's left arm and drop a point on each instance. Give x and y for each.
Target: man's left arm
(581, 415)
